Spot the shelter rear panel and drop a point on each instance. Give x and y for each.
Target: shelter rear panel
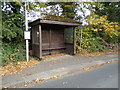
(52, 40)
(45, 42)
(57, 39)
(45, 39)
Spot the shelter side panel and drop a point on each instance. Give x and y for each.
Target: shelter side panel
(69, 40)
(35, 41)
(69, 48)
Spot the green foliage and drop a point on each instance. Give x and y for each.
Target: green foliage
(97, 34)
(10, 31)
(111, 9)
(12, 22)
(68, 8)
(89, 42)
(101, 27)
(12, 52)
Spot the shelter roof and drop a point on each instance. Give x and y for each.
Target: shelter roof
(59, 20)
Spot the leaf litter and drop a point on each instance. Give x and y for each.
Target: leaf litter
(98, 53)
(11, 68)
(21, 65)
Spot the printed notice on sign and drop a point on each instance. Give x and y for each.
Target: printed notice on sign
(26, 34)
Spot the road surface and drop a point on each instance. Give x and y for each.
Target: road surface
(102, 77)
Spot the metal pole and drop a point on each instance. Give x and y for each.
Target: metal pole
(81, 39)
(26, 28)
(4, 2)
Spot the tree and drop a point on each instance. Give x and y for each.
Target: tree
(111, 9)
(102, 29)
(68, 8)
(98, 34)
(12, 21)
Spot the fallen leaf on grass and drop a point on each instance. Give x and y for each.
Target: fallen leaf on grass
(25, 85)
(13, 69)
(86, 69)
(59, 75)
(5, 87)
(56, 76)
(108, 62)
(98, 53)
(37, 80)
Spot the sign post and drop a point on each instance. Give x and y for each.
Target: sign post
(81, 37)
(26, 33)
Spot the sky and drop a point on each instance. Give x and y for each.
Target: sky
(33, 15)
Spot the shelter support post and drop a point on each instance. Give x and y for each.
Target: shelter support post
(74, 40)
(50, 41)
(40, 42)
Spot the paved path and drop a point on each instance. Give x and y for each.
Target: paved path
(55, 66)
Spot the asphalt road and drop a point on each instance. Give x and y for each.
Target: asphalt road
(102, 77)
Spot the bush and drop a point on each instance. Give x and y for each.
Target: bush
(12, 53)
(98, 35)
(91, 45)
(90, 42)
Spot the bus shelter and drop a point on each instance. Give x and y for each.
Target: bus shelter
(51, 36)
